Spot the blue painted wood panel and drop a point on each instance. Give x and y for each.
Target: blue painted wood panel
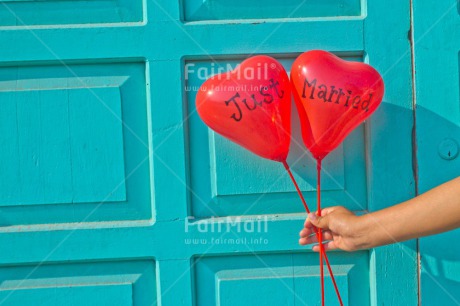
(279, 279)
(71, 134)
(52, 159)
(113, 192)
(107, 283)
(20, 13)
(195, 10)
(436, 51)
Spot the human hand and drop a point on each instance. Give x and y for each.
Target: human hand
(341, 228)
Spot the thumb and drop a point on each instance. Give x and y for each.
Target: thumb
(320, 222)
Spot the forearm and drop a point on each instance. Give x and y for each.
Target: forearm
(433, 212)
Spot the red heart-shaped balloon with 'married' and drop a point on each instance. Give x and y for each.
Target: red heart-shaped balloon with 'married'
(333, 96)
(250, 105)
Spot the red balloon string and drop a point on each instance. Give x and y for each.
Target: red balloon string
(320, 232)
(332, 278)
(286, 166)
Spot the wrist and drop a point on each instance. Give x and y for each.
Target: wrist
(365, 232)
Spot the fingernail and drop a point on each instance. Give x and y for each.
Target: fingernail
(312, 216)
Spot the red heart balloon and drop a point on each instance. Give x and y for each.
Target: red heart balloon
(251, 106)
(333, 96)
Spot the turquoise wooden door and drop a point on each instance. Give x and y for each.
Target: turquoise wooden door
(113, 192)
(436, 49)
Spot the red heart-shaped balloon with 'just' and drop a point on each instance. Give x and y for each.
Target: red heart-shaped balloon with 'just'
(333, 96)
(250, 105)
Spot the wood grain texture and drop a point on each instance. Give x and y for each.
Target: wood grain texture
(436, 51)
(159, 240)
(73, 140)
(23, 13)
(221, 10)
(391, 178)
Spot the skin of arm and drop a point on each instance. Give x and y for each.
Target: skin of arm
(435, 211)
